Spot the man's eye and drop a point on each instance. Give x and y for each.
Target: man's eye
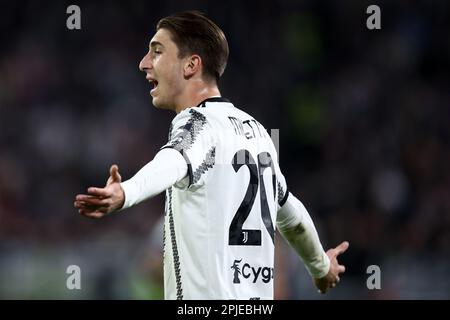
(157, 51)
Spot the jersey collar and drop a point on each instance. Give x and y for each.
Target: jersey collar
(212, 99)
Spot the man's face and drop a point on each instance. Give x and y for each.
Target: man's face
(164, 70)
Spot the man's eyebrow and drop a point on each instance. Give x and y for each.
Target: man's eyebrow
(155, 43)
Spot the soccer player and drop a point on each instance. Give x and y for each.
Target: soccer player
(225, 193)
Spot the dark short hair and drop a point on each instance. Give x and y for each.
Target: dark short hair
(194, 33)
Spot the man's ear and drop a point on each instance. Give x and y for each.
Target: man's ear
(192, 65)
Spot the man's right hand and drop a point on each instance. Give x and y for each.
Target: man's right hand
(102, 201)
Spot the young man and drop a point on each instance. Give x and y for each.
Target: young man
(225, 192)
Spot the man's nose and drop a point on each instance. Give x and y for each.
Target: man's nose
(145, 63)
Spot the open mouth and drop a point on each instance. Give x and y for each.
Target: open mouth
(155, 85)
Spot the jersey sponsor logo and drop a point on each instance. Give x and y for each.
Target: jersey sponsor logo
(251, 273)
(237, 271)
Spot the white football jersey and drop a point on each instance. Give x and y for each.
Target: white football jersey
(220, 220)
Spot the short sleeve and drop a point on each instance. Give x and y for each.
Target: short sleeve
(191, 135)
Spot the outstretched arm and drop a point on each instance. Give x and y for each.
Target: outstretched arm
(297, 227)
(101, 201)
(167, 168)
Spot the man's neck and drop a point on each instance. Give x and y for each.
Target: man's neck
(196, 95)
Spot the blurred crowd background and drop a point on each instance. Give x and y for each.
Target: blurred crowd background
(364, 139)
